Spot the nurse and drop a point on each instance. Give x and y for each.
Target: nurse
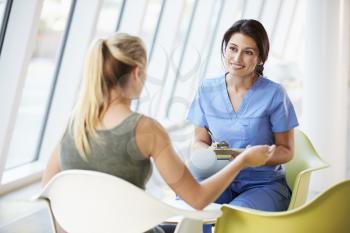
(243, 107)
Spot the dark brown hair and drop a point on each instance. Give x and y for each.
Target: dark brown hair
(255, 30)
(115, 72)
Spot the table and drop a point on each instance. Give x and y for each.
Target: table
(183, 205)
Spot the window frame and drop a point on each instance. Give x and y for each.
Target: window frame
(27, 15)
(18, 45)
(4, 22)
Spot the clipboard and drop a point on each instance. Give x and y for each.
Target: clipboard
(227, 153)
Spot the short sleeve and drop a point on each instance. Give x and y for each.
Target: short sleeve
(282, 113)
(196, 114)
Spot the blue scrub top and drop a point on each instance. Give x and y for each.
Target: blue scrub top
(264, 110)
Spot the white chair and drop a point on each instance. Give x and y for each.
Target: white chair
(84, 201)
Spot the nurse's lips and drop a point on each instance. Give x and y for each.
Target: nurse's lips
(237, 66)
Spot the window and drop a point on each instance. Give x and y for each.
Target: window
(150, 22)
(167, 52)
(149, 30)
(5, 7)
(108, 20)
(2, 10)
(39, 79)
(194, 57)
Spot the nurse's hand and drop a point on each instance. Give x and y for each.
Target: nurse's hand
(254, 156)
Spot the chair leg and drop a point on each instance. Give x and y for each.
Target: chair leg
(52, 218)
(189, 225)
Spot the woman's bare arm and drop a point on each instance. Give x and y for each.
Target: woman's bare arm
(179, 178)
(52, 167)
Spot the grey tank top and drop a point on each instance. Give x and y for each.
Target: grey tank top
(114, 151)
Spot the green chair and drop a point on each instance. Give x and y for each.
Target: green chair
(299, 169)
(327, 213)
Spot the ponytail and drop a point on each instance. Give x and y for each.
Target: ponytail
(259, 70)
(87, 110)
(108, 65)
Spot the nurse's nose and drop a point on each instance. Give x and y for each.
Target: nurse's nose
(237, 57)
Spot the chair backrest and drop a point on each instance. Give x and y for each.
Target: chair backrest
(88, 202)
(298, 170)
(329, 212)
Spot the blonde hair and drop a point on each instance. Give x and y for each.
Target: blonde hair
(108, 64)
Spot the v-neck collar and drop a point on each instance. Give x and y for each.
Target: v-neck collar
(245, 99)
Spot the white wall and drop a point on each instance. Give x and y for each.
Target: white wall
(326, 75)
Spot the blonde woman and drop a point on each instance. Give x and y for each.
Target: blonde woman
(104, 135)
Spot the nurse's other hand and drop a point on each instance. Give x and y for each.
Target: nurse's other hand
(254, 156)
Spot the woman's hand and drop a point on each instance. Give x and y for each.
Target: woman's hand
(254, 156)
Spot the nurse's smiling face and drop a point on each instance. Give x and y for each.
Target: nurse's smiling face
(241, 56)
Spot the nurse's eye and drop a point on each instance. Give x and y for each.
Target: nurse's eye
(248, 52)
(233, 49)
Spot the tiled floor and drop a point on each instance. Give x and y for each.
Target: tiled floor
(36, 222)
(18, 214)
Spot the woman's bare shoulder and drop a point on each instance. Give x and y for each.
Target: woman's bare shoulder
(150, 135)
(149, 124)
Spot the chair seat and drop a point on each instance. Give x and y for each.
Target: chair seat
(329, 212)
(91, 202)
